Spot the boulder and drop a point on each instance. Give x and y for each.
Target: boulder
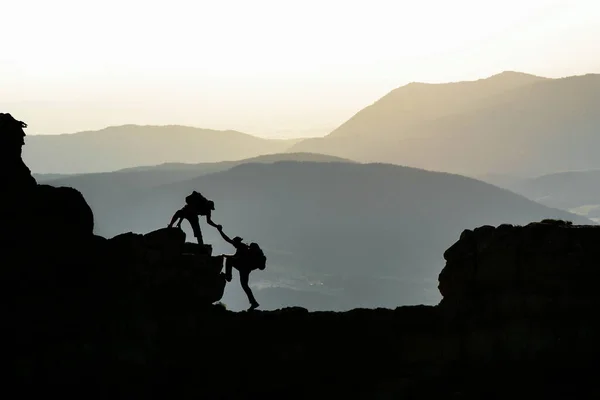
(205, 274)
(512, 291)
(165, 245)
(160, 264)
(169, 239)
(195, 248)
(62, 212)
(545, 256)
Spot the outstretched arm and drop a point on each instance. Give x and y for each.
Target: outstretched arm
(210, 221)
(225, 237)
(176, 216)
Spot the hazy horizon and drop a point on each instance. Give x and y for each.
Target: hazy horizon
(279, 134)
(266, 68)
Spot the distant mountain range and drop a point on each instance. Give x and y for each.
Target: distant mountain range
(508, 124)
(152, 175)
(575, 191)
(511, 123)
(338, 234)
(129, 146)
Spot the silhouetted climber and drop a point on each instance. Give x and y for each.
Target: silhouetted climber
(196, 205)
(246, 259)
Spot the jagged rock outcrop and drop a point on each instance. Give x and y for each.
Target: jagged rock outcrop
(168, 270)
(550, 259)
(16, 177)
(17, 183)
(524, 292)
(73, 302)
(49, 232)
(62, 212)
(49, 215)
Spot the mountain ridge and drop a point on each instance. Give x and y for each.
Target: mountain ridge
(575, 191)
(113, 128)
(126, 146)
(507, 74)
(190, 170)
(301, 157)
(500, 130)
(494, 84)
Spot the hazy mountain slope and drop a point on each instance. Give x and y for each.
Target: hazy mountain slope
(545, 125)
(414, 103)
(163, 173)
(578, 191)
(358, 235)
(127, 146)
(501, 180)
(50, 177)
(221, 166)
(106, 190)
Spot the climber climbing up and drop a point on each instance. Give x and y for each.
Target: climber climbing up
(246, 259)
(196, 205)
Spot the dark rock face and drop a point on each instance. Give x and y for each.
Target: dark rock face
(523, 293)
(163, 272)
(15, 175)
(62, 211)
(73, 302)
(547, 259)
(135, 313)
(17, 182)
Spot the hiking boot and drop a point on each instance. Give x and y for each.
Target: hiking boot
(253, 306)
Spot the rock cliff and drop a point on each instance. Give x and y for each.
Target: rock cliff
(135, 312)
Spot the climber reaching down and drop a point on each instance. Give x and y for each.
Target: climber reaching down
(196, 205)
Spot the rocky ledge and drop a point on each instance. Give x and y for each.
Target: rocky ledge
(518, 316)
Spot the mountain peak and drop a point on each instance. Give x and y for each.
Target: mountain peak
(531, 118)
(505, 75)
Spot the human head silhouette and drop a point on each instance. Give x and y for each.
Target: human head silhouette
(237, 240)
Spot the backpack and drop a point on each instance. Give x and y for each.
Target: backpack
(199, 203)
(255, 253)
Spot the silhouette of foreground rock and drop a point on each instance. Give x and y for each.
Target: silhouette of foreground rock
(519, 316)
(165, 267)
(523, 294)
(75, 303)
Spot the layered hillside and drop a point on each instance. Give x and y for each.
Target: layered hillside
(129, 146)
(337, 235)
(576, 191)
(509, 123)
(157, 175)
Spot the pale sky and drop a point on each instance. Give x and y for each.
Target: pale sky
(270, 68)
